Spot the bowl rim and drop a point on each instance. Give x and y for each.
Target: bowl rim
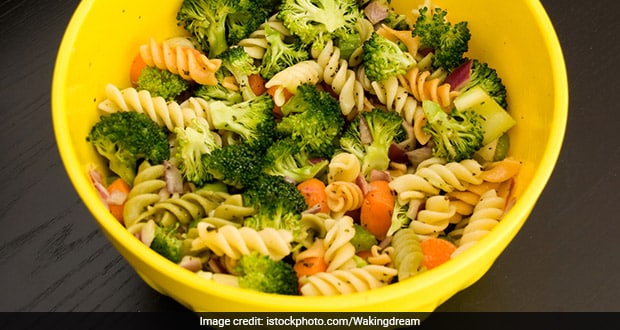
(495, 240)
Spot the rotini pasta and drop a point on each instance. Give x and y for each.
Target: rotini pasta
(381, 257)
(184, 208)
(395, 98)
(486, 216)
(423, 87)
(404, 36)
(312, 227)
(343, 196)
(434, 218)
(336, 73)
(235, 242)
(407, 257)
(430, 180)
(145, 192)
(169, 114)
(434, 199)
(290, 78)
(346, 281)
(343, 166)
(187, 62)
(338, 248)
(256, 43)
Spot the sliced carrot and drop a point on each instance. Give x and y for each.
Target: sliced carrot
(119, 188)
(502, 170)
(436, 251)
(377, 208)
(257, 84)
(314, 193)
(310, 266)
(136, 68)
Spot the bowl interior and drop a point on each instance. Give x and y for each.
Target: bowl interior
(515, 37)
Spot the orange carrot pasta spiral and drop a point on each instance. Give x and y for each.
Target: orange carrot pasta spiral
(187, 62)
(422, 88)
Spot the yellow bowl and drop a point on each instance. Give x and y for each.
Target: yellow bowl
(516, 37)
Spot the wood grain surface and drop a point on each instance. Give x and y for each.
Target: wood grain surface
(53, 257)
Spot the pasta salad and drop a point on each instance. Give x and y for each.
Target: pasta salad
(307, 148)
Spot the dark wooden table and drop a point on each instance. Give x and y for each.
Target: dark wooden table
(53, 257)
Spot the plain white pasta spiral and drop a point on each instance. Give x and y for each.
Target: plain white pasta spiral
(382, 257)
(342, 79)
(290, 78)
(430, 179)
(169, 114)
(485, 217)
(395, 98)
(346, 281)
(338, 248)
(235, 242)
(451, 176)
(256, 43)
(343, 166)
(434, 218)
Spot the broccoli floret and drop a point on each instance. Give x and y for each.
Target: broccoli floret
(317, 21)
(399, 218)
(218, 24)
(314, 120)
(253, 120)
(396, 21)
(278, 203)
(383, 58)
(474, 73)
(448, 42)
(285, 158)
(162, 83)
(218, 92)
(192, 142)
(237, 165)
(279, 54)
(236, 60)
(456, 136)
(261, 273)
(382, 129)
(125, 138)
(166, 241)
(363, 240)
(253, 13)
